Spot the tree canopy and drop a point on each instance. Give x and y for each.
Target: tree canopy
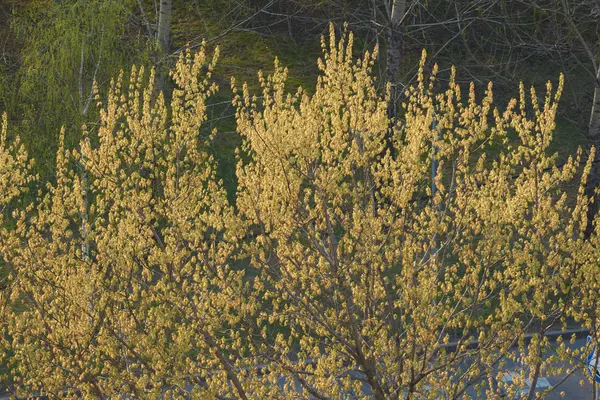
(342, 265)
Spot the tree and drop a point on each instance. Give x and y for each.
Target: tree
(575, 24)
(568, 30)
(337, 269)
(377, 281)
(68, 46)
(147, 310)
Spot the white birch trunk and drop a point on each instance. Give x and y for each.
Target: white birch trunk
(593, 139)
(594, 124)
(394, 51)
(163, 38)
(163, 34)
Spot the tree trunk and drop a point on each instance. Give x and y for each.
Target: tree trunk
(394, 52)
(164, 26)
(590, 192)
(163, 38)
(594, 140)
(594, 124)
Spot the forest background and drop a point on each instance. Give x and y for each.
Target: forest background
(52, 51)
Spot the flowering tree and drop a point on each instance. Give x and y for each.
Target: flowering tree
(383, 277)
(122, 274)
(346, 266)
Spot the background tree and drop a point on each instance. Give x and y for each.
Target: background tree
(66, 47)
